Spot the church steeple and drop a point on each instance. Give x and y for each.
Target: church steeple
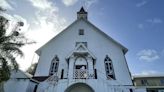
(82, 14)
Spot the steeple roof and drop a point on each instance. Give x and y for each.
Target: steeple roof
(82, 14)
(82, 11)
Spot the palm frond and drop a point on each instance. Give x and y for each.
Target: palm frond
(13, 50)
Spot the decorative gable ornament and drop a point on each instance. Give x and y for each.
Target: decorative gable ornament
(81, 50)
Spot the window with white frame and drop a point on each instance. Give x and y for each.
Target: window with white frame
(109, 68)
(54, 65)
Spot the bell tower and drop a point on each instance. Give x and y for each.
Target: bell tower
(82, 14)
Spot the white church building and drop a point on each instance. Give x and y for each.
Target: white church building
(81, 58)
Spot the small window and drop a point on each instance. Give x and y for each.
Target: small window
(81, 31)
(144, 82)
(162, 81)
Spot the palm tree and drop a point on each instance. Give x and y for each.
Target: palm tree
(10, 48)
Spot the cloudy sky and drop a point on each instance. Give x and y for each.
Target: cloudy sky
(136, 24)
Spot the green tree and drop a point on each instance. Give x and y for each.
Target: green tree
(10, 45)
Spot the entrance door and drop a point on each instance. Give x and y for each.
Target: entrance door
(79, 88)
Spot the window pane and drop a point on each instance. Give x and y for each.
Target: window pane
(81, 31)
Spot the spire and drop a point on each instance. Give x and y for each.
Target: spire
(82, 10)
(82, 14)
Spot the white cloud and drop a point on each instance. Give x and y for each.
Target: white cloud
(155, 20)
(47, 17)
(69, 2)
(86, 3)
(45, 24)
(150, 22)
(151, 72)
(140, 4)
(13, 22)
(147, 72)
(41, 4)
(4, 4)
(148, 55)
(89, 3)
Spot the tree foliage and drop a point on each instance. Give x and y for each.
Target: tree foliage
(10, 45)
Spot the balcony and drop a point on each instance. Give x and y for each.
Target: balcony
(83, 74)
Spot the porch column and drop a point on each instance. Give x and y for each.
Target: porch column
(71, 66)
(90, 67)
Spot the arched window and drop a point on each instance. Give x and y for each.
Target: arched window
(54, 65)
(109, 68)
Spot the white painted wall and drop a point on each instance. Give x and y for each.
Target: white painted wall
(96, 85)
(98, 44)
(16, 85)
(140, 89)
(31, 86)
(19, 82)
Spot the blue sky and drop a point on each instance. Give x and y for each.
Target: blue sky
(136, 24)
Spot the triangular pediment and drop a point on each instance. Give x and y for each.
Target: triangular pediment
(79, 50)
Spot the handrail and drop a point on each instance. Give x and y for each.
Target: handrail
(82, 74)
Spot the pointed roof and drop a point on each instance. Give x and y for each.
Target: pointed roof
(82, 11)
(124, 49)
(82, 16)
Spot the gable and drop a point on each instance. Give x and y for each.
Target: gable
(124, 49)
(81, 48)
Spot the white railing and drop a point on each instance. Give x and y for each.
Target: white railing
(52, 79)
(48, 83)
(83, 74)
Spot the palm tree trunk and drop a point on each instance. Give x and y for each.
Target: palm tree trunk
(2, 87)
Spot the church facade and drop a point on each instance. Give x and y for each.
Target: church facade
(82, 58)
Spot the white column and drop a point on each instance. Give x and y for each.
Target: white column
(90, 66)
(71, 66)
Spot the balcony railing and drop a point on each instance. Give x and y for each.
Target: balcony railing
(83, 74)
